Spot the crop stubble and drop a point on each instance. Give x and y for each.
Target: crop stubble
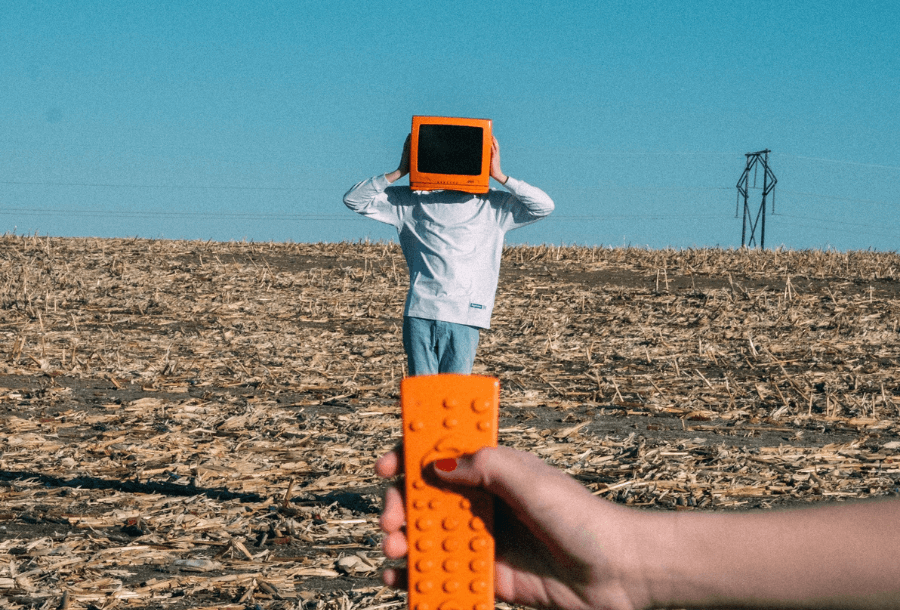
(193, 424)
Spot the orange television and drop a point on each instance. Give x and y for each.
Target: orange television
(450, 153)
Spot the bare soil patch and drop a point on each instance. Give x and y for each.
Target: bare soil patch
(193, 424)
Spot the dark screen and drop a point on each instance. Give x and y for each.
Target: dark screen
(450, 149)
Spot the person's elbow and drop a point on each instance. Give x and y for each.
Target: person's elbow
(352, 199)
(545, 208)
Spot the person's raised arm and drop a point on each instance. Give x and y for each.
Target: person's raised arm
(558, 546)
(370, 197)
(496, 171)
(532, 203)
(403, 168)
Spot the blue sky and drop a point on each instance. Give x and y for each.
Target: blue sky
(248, 120)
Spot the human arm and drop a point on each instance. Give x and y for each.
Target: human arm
(496, 171)
(528, 203)
(828, 556)
(373, 199)
(403, 168)
(558, 546)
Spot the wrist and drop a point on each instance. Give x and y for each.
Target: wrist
(686, 562)
(650, 569)
(394, 176)
(632, 552)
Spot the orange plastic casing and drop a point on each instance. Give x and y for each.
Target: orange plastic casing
(450, 533)
(424, 181)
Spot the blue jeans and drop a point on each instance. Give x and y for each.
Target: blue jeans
(435, 347)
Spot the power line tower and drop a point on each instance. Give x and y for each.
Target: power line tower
(743, 186)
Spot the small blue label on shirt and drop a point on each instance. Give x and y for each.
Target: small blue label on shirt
(476, 306)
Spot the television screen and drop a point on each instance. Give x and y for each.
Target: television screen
(450, 149)
(450, 153)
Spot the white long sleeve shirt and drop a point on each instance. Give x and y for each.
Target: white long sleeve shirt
(452, 241)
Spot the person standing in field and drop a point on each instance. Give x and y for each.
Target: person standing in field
(452, 242)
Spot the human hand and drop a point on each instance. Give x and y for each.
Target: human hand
(403, 168)
(496, 172)
(557, 546)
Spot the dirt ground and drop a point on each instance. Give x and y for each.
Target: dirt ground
(193, 424)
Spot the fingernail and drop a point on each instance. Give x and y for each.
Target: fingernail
(446, 464)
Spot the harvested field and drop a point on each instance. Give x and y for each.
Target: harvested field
(193, 425)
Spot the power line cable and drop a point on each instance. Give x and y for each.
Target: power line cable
(292, 188)
(835, 198)
(582, 217)
(892, 167)
(163, 186)
(161, 214)
(639, 188)
(833, 221)
(264, 216)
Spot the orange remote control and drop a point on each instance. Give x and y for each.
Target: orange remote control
(450, 533)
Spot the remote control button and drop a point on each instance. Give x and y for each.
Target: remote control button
(478, 565)
(481, 405)
(451, 586)
(451, 403)
(435, 504)
(416, 425)
(451, 422)
(450, 523)
(484, 426)
(476, 524)
(465, 504)
(424, 565)
(479, 543)
(450, 545)
(424, 544)
(424, 586)
(451, 565)
(478, 586)
(424, 524)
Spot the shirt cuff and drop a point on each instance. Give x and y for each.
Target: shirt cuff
(380, 182)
